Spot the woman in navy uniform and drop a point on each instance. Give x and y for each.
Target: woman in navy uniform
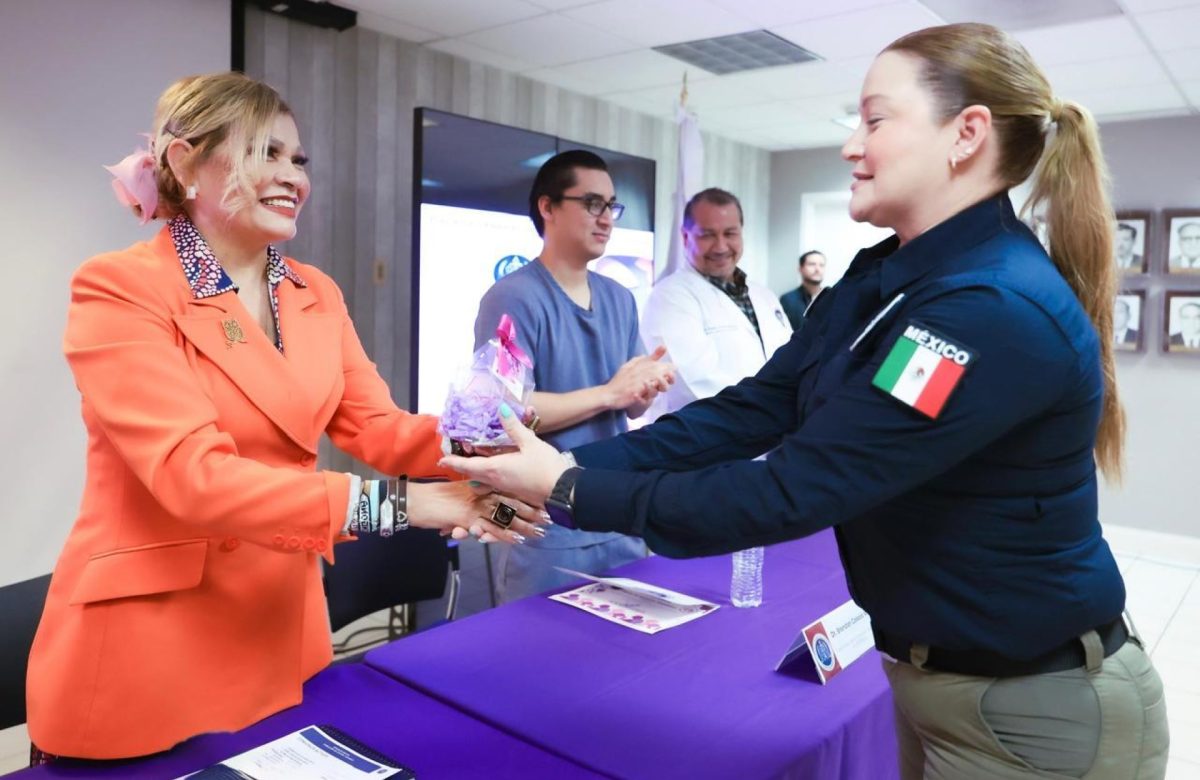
(945, 408)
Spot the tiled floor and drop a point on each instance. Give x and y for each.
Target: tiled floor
(1162, 575)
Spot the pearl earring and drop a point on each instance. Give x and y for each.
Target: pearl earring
(191, 192)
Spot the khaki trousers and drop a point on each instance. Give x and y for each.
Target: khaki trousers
(1106, 722)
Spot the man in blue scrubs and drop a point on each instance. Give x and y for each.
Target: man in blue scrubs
(590, 375)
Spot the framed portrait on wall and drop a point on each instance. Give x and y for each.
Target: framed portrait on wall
(1131, 242)
(1129, 319)
(1183, 241)
(1181, 313)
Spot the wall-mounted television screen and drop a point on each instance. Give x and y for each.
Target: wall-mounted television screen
(472, 226)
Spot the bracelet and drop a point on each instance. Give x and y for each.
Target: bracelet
(372, 489)
(386, 513)
(398, 495)
(361, 523)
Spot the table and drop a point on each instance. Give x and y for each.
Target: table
(698, 700)
(434, 740)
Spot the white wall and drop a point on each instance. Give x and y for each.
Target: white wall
(1155, 164)
(78, 81)
(792, 175)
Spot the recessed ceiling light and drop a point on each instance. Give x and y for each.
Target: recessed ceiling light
(851, 121)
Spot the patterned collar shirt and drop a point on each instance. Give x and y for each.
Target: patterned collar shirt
(207, 278)
(739, 292)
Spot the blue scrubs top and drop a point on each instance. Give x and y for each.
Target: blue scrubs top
(975, 528)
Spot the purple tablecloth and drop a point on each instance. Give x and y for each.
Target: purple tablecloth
(432, 739)
(699, 700)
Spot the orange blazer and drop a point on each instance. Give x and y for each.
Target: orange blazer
(188, 596)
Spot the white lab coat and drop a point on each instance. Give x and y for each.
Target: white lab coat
(708, 338)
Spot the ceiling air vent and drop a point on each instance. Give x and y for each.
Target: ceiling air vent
(736, 53)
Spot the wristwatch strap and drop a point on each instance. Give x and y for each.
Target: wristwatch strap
(559, 505)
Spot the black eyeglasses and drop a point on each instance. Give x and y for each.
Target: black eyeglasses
(595, 205)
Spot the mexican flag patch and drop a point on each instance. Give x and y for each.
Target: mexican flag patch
(922, 369)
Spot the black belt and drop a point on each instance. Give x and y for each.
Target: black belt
(984, 663)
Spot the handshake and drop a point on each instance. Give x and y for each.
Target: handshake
(510, 484)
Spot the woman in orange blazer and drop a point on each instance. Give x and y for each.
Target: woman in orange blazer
(188, 596)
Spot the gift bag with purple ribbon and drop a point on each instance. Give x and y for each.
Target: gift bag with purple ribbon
(500, 372)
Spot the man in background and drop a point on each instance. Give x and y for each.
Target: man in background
(812, 278)
(1188, 259)
(1188, 335)
(1126, 237)
(1124, 336)
(718, 326)
(590, 372)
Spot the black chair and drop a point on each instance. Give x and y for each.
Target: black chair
(20, 610)
(374, 574)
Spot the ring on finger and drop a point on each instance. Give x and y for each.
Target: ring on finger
(503, 515)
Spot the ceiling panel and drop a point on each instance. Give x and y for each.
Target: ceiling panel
(1026, 15)
(763, 115)
(660, 22)
(550, 40)
(559, 5)
(1183, 63)
(620, 72)
(859, 33)
(809, 79)
(1153, 99)
(1171, 30)
(1191, 89)
(809, 135)
(772, 13)
(1083, 42)
(1144, 64)
(1145, 6)
(1110, 73)
(449, 17)
(705, 95)
(657, 104)
(830, 107)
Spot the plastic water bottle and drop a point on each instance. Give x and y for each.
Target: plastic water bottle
(746, 588)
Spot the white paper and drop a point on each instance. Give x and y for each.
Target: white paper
(633, 604)
(307, 754)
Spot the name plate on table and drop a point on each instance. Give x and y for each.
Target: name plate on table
(833, 641)
(637, 605)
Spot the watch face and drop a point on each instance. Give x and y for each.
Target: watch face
(560, 513)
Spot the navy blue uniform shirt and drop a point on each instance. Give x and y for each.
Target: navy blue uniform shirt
(977, 529)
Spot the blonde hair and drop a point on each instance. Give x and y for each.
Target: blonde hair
(977, 64)
(229, 111)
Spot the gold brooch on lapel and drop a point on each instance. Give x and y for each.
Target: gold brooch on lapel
(233, 333)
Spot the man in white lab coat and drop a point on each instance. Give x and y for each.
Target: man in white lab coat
(718, 327)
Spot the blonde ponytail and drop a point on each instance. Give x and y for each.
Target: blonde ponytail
(977, 64)
(1072, 182)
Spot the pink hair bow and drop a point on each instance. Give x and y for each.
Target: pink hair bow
(134, 183)
(509, 353)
